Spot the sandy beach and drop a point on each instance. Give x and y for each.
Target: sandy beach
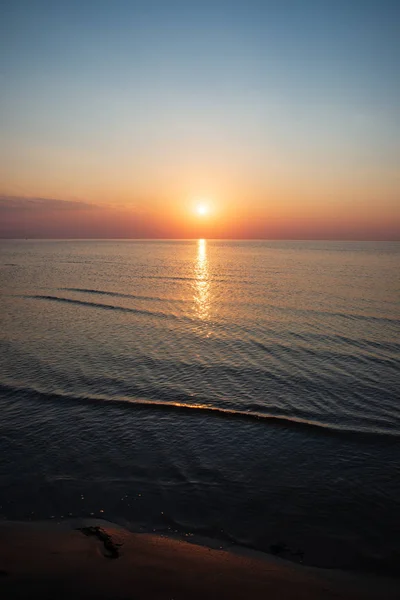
(97, 559)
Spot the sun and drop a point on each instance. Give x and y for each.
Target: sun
(202, 209)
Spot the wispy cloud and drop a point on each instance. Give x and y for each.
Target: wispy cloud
(18, 203)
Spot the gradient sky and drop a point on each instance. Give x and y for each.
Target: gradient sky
(117, 115)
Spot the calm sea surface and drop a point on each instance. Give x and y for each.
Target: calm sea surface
(248, 391)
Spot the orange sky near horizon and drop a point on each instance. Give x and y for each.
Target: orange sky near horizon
(43, 218)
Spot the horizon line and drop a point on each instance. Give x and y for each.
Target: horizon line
(161, 239)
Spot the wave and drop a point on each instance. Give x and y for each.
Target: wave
(331, 354)
(113, 294)
(125, 309)
(342, 341)
(205, 409)
(352, 316)
(285, 309)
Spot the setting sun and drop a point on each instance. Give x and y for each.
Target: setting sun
(202, 209)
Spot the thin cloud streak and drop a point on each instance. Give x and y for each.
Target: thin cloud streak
(21, 203)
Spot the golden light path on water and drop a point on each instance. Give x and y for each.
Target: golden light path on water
(202, 282)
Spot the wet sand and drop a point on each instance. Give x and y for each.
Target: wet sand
(97, 559)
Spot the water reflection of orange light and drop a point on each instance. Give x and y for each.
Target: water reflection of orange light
(202, 285)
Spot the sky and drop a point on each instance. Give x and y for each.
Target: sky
(281, 117)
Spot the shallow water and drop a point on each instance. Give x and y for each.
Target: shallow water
(247, 390)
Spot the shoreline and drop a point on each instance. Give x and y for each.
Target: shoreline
(93, 558)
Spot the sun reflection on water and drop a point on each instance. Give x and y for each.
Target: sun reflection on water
(202, 284)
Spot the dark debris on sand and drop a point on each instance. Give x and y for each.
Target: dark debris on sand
(110, 547)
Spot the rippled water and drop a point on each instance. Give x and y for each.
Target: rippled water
(248, 390)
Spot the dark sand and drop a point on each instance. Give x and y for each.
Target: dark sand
(46, 561)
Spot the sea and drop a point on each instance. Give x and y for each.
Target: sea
(246, 392)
